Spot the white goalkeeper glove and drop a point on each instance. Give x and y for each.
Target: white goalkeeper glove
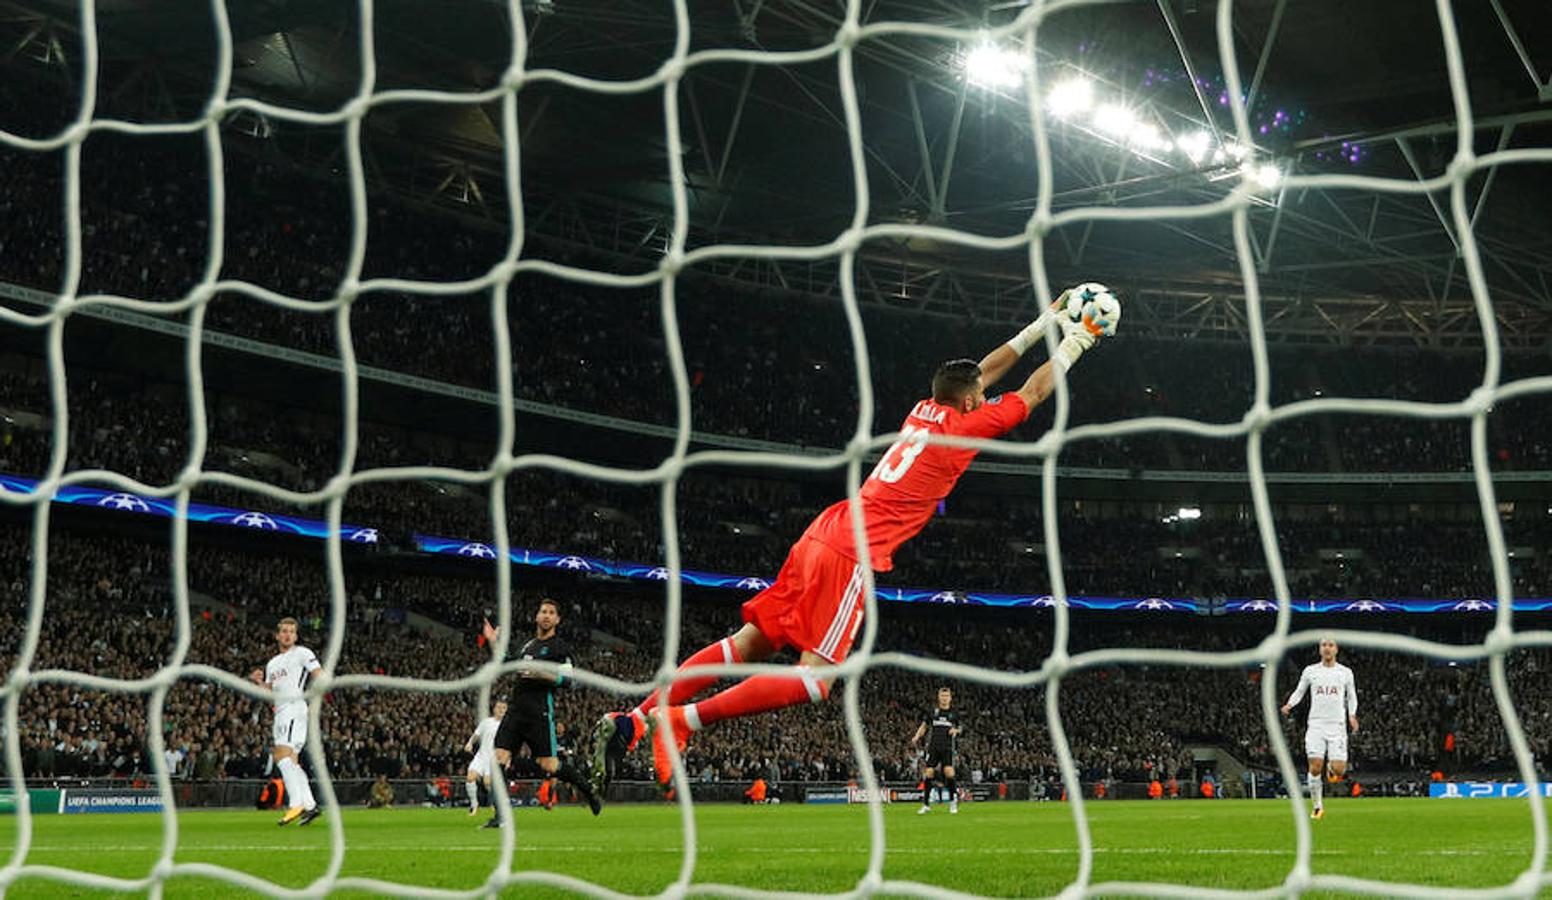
(1035, 330)
(1093, 320)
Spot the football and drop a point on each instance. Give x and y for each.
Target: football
(1095, 305)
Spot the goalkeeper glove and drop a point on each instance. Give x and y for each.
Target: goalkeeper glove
(1084, 332)
(1035, 330)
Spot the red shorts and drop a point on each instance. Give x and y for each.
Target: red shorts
(816, 603)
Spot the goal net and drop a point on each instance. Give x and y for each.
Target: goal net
(1023, 30)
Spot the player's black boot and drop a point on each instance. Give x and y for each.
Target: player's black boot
(583, 783)
(309, 816)
(594, 802)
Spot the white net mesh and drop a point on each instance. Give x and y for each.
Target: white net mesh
(1025, 27)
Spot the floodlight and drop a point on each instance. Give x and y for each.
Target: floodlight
(1267, 175)
(1146, 135)
(1071, 96)
(1195, 146)
(1115, 120)
(990, 66)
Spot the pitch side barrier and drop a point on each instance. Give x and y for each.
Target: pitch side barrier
(1488, 790)
(109, 796)
(118, 795)
(114, 795)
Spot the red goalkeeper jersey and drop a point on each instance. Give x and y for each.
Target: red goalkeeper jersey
(905, 487)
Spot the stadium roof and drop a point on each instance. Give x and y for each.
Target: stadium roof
(1337, 87)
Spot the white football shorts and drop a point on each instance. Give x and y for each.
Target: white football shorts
(1326, 739)
(291, 726)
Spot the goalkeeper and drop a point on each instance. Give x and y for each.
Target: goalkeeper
(816, 604)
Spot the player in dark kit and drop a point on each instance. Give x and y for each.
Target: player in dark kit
(566, 750)
(530, 717)
(941, 728)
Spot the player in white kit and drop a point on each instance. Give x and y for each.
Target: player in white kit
(286, 676)
(1332, 714)
(484, 761)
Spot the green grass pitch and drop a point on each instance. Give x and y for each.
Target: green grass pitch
(1009, 849)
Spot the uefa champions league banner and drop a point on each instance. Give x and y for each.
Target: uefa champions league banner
(108, 800)
(119, 501)
(79, 495)
(1386, 606)
(592, 565)
(1487, 790)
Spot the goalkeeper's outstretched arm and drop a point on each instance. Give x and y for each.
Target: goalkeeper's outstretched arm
(1078, 336)
(997, 363)
(1041, 382)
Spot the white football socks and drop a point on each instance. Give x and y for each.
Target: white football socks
(297, 789)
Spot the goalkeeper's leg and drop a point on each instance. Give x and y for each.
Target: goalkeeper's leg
(761, 693)
(816, 606)
(617, 734)
(634, 722)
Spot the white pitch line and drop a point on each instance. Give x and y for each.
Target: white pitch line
(899, 851)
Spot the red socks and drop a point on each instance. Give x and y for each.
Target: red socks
(723, 651)
(756, 695)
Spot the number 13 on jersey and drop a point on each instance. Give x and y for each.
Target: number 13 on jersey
(901, 454)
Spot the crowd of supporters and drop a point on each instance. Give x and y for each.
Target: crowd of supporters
(778, 368)
(772, 367)
(983, 540)
(110, 613)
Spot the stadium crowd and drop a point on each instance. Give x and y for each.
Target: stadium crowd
(984, 539)
(110, 613)
(762, 367)
(981, 541)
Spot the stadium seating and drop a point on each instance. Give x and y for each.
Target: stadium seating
(109, 614)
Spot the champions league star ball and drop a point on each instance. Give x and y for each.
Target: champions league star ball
(1096, 306)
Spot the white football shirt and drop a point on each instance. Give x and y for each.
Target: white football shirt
(486, 732)
(1333, 693)
(287, 675)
